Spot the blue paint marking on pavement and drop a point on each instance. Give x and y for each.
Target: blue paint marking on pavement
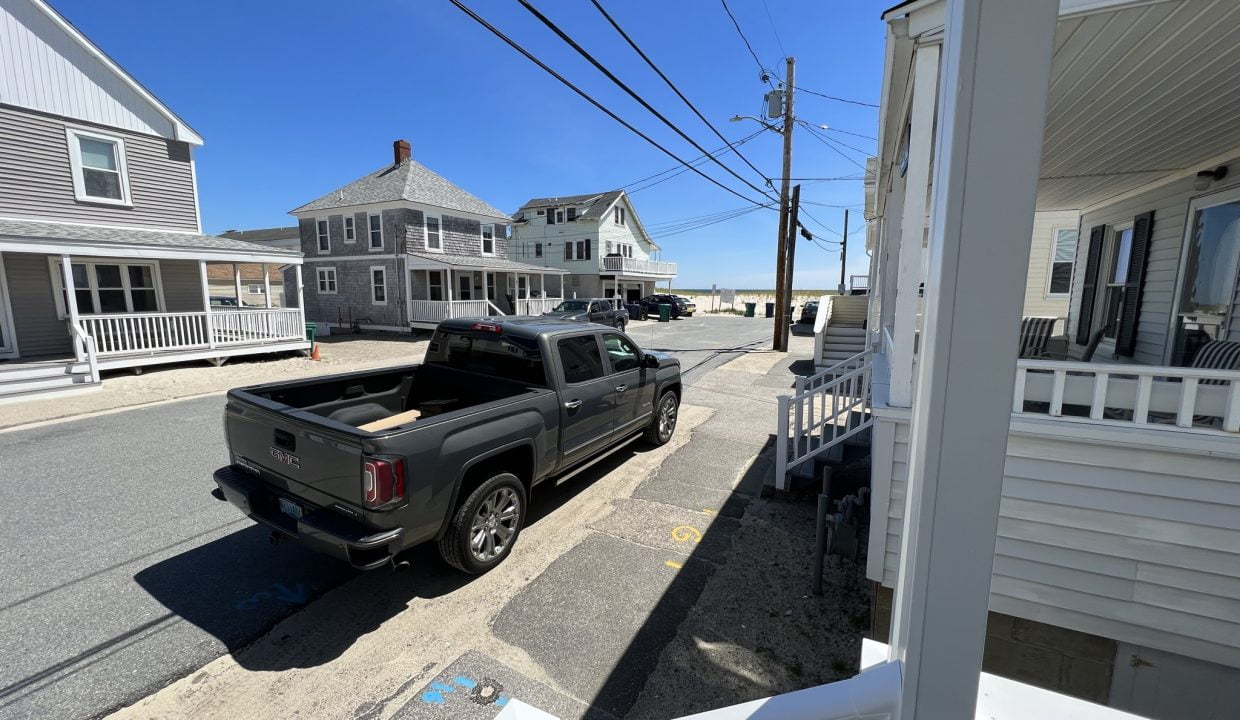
(433, 697)
(502, 701)
(442, 687)
(465, 682)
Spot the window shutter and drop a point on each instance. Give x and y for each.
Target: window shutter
(588, 248)
(1126, 335)
(568, 251)
(1089, 291)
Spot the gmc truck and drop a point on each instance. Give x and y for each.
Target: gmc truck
(365, 465)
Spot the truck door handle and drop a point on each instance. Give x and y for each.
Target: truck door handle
(572, 404)
(621, 388)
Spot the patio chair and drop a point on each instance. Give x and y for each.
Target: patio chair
(1217, 355)
(1035, 334)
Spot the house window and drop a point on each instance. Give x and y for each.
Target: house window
(320, 229)
(434, 285)
(488, 239)
(583, 249)
(375, 224)
(1116, 278)
(550, 216)
(327, 280)
(1063, 254)
(618, 216)
(378, 285)
(433, 239)
(109, 287)
(559, 216)
(568, 251)
(541, 213)
(350, 233)
(572, 214)
(537, 250)
(98, 163)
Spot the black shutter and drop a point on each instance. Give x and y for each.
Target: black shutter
(568, 250)
(589, 247)
(1089, 291)
(1142, 232)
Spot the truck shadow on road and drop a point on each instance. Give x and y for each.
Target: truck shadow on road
(239, 587)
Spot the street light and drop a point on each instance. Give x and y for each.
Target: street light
(763, 123)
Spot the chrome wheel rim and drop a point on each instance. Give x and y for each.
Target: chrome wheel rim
(667, 417)
(495, 524)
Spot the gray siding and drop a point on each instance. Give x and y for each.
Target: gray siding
(353, 295)
(182, 283)
(396, 225)
(36, 180)
(1170, 206)
(36, 327)
(1137, 541)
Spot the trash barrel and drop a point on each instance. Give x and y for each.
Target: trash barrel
(310, 333)
(665, 312)
(770, 310)
(749, 309)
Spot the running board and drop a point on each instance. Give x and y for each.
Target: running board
(561, 479)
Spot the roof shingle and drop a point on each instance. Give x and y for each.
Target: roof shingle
(410, 181)
(595, 204)
(125, 236)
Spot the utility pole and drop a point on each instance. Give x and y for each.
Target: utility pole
(793, 211)
(843, 253)
(782, 281)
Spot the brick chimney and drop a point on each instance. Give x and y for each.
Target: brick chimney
(400, 151)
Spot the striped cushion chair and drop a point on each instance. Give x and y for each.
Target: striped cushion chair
(1218, 355)
(1035, 333)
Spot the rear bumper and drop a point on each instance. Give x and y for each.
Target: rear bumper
(319, 529)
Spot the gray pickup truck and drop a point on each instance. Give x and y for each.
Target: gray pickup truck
(364, 465)
(595, 310)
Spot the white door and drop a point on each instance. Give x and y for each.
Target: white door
(8, 342)
(1206, 297)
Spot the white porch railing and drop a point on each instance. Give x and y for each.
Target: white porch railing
(126, 333)
(438, 310)
(87, 344)
(859, 282)
(537, 306)
(1142, 395)
(638, 266)
(827, 409)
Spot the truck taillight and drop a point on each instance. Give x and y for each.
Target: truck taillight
(383, 482)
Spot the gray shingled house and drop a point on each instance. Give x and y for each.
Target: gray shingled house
(405, 248)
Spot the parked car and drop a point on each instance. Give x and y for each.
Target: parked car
(224, 301)
(595, 310)
(809, 312)
(652, 303)
(365, 465)
(689, 306)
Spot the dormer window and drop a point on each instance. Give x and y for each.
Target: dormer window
(98, 163)
(488, 239)
(618, 217)
(571, 214)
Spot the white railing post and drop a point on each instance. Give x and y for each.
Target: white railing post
(1231, 416)
(66, 268)
(781, 443)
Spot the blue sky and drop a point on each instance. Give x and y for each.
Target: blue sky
(295, 99)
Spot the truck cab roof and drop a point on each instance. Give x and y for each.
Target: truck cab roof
(521, 325)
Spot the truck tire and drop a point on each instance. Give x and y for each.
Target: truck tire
(620, 324)
(663, 424)
(486, 525)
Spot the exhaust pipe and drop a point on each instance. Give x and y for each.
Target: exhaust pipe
(399, 565)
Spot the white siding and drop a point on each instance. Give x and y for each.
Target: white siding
(1136, 539)
(42, 68)
(1037, 301)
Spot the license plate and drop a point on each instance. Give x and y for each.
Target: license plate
(290, 508)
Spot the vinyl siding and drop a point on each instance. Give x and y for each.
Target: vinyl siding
(36, 180)
(1133, 541)
(1037, 302)
(1170, 205)
(38, 330)
(182, 285)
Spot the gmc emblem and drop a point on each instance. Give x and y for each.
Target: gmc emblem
(287, 458)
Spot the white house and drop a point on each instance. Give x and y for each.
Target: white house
(596, 238)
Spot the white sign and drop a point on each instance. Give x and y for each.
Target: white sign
(727, 295)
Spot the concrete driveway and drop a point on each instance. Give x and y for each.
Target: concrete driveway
(122, 574)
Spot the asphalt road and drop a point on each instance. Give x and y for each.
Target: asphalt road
(122, 574)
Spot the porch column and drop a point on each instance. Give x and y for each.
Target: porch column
(994, 80)
(266, 286)
(912, 222)
(301, 303)
(542, 286)
(447, 273)
(237, 283)
(206, 301)
(66, 268)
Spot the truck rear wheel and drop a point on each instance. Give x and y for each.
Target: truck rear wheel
(663, 424)
(485, 526)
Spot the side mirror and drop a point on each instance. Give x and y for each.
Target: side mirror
(650, 361)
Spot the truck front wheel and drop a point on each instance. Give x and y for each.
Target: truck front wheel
(486, 525)
(663, 424)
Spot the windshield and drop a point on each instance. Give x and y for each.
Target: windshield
(501, 356)
(573, 306)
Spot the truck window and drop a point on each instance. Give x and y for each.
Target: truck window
(621, 352)
(596, 307)
(501, 356)
(580, 358)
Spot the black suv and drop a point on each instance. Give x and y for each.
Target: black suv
(679, 306)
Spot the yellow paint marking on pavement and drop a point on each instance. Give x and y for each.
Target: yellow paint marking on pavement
(708, 511)
(673, 564)
(685, 533)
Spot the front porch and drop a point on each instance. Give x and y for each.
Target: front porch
(450, 286)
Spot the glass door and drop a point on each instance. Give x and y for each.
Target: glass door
(1206, 298)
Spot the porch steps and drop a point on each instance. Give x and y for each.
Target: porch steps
(23, 380)
(840, 343)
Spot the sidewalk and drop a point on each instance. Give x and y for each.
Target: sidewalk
(660, 585)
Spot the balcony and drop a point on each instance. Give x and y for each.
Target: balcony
(635, 266)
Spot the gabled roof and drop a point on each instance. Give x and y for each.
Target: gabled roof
(102, 236)
(180, 128)
(410, 181)
(595, 204)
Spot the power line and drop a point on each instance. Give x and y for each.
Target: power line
(766, 74)
(733, 216)
(513, 44)
(678, 169)
(771, 20)
(831, 144)
(620, 83)
(846, 132)
(837, 99)
(675, 89)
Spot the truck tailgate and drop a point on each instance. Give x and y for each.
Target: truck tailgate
(302, 457)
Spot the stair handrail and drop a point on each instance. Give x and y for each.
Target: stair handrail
(88, 343)
(824, 313)
(496, 309)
